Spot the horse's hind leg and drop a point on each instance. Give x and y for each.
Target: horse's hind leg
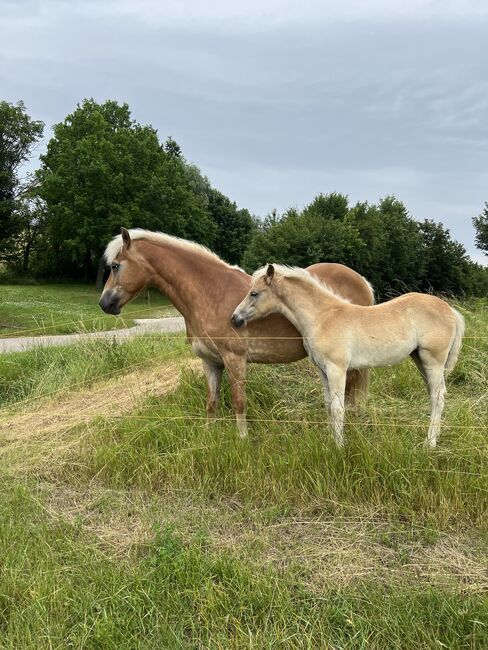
(437, 390)
(357, 382)
(420, 366)
(213, 375)
(236, 367)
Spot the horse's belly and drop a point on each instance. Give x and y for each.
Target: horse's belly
(378, 354)
(262, 350)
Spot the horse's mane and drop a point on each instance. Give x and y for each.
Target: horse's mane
(302, 274)
(115, 246)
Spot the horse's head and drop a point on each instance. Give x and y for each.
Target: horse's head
(261, 299)
(129, 275)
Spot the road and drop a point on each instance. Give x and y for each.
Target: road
(143, 326)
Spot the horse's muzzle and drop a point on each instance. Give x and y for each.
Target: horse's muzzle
(110, 304)
(237, 320)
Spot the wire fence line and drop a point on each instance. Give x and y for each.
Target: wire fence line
(134, 315)
(231, 419)
(80, 322)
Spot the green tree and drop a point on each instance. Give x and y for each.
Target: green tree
(27, 242)
(481, 226)
(103, 170)
(444, 260)
(234, 227)
(320, 233)
(18, 134)
(400, 253)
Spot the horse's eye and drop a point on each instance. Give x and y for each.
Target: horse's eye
(115, 267)
(254, 294)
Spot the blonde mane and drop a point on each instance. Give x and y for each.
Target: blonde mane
(115, 246)
(296, 272)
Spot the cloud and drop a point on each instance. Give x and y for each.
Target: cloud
(277, 101)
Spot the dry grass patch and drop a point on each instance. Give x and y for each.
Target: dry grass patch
(50, 427)
(337, 553)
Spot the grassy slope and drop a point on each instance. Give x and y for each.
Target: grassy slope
(148, 529)
(33, 310)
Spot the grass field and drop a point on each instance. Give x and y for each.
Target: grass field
(33, 310)
(130, 523)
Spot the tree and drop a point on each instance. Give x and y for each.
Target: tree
(31, 217)
(444, 260)
(172, 148)
(400, 255)
(18, 134)
(320, 233)
(481, 225)
(103, 170)
(234, 227)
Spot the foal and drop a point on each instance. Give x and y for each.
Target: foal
(339, 336)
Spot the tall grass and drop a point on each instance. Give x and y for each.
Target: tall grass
(50, 371)
(198, 584)
(290, 458)
(58, 590)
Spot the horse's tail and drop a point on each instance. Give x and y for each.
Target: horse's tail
(456, 343)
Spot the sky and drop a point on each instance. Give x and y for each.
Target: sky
(277, 101)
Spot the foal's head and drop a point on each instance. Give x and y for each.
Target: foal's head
(261, 299)
(129, 275)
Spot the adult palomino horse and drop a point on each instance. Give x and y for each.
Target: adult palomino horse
(206, 290)
(338, 335)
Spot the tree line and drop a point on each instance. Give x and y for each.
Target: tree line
(102, 170)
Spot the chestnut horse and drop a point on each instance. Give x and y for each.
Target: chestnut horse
(206, 290)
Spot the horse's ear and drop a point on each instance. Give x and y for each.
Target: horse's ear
(125, 237)
(269, 274)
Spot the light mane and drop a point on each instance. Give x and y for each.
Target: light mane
(115, 246)
(296, 272)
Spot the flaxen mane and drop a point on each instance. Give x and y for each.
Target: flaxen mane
(115, 246)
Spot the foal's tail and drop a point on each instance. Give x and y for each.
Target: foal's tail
(456, 343)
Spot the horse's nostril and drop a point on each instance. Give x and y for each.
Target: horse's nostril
(237, 321)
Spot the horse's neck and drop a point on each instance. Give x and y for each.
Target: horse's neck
(300, 302)
(183, 276)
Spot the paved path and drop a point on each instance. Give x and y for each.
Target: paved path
(143, 326)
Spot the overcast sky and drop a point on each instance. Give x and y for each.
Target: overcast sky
(277, 100)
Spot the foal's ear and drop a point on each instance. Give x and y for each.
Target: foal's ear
(125, 237)
(269, 274)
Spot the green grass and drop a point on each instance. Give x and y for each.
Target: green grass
(34, 310)
(45, 370)
(150, 529)
(58, 590)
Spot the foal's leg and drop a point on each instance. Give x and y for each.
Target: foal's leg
(434, 374)
(420, 366)
(213, 375)
(236, 367)
(336, 377)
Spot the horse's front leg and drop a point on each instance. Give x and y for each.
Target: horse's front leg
(213, 375)
(236, 366)
(336, 377)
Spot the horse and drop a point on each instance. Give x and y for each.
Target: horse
(340, 336)
(205, 290)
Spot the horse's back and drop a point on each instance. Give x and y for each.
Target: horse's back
(344, 281)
